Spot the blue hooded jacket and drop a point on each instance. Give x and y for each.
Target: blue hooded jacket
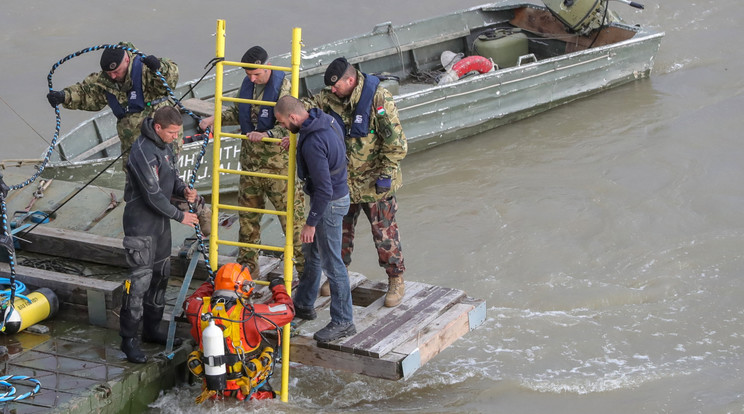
(321, 162)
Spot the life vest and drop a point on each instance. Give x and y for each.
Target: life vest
(135, 96)
(266, 119)
(360, 122)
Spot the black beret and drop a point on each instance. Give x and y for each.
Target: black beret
(110, 58)
(335, 71)
(256, 55)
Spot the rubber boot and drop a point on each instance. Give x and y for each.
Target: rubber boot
(131, 348)
(152, 333)
(396, 290)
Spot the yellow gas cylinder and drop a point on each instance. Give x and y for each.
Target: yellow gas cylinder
(43, 304)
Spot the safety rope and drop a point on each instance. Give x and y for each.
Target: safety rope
(18, 286)
(9, 395)
(7, 306)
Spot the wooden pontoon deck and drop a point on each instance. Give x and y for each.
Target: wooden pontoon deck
(390, 343)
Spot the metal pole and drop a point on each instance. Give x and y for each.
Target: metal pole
(294, 91)
(220, 54)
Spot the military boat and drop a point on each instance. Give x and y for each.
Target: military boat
(516, 60)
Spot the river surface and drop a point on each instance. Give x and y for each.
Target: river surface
(606, 236)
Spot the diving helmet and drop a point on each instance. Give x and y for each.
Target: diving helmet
(234, 278)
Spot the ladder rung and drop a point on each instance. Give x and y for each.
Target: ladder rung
(250, 246)
(250, 209)
(241, 136)
(254, 174)
(255, 66)
(248, 101)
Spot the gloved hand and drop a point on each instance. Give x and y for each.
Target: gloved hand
(151, 62)
(383, 184)
(3, 187)
(276, 282)
(56, 98)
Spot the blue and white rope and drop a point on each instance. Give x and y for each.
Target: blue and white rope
(9, 395)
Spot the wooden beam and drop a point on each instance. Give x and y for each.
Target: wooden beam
(303, 349)
(199, 106)
(75, 245)
(435, 337)
(68, 288)
(98, 148)
(98, 249)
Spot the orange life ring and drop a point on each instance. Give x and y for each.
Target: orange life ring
(472, 63)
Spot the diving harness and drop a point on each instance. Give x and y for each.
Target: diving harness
(229, 364)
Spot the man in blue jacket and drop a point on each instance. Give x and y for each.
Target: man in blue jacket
(321, 165)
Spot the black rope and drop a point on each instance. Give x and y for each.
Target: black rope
(48, 214)
(601, 25)
(211, 65)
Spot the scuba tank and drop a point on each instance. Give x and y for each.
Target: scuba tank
(214, 356)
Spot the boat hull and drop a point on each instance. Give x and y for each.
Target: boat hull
(554, 73)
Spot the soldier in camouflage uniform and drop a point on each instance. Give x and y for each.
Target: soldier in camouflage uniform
(131, 98)
(375, 145)
(258, 122)
(115, 82)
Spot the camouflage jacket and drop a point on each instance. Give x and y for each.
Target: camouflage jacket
(89, 95)
(261, 156)
(378, 153)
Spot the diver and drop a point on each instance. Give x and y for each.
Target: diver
(236, 357)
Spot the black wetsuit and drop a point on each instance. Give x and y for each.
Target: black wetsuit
(152, 178)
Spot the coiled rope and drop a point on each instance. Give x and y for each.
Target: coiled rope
(9, 394)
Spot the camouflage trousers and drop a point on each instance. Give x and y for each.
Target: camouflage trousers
(381, 215)
(202, 210)
(253, 193)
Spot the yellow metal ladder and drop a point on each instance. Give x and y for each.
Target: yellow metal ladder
(217, 171)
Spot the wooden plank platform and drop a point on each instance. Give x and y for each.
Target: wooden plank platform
(392, 343)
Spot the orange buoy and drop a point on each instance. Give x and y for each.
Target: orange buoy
(472, 63)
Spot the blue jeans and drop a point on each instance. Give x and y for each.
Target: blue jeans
(325, 253)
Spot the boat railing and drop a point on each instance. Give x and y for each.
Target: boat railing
(218, 171)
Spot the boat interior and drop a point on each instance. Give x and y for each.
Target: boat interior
(410, 56)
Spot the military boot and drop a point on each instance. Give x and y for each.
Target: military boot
(325, 289)
(131, 348)
(396, 290)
